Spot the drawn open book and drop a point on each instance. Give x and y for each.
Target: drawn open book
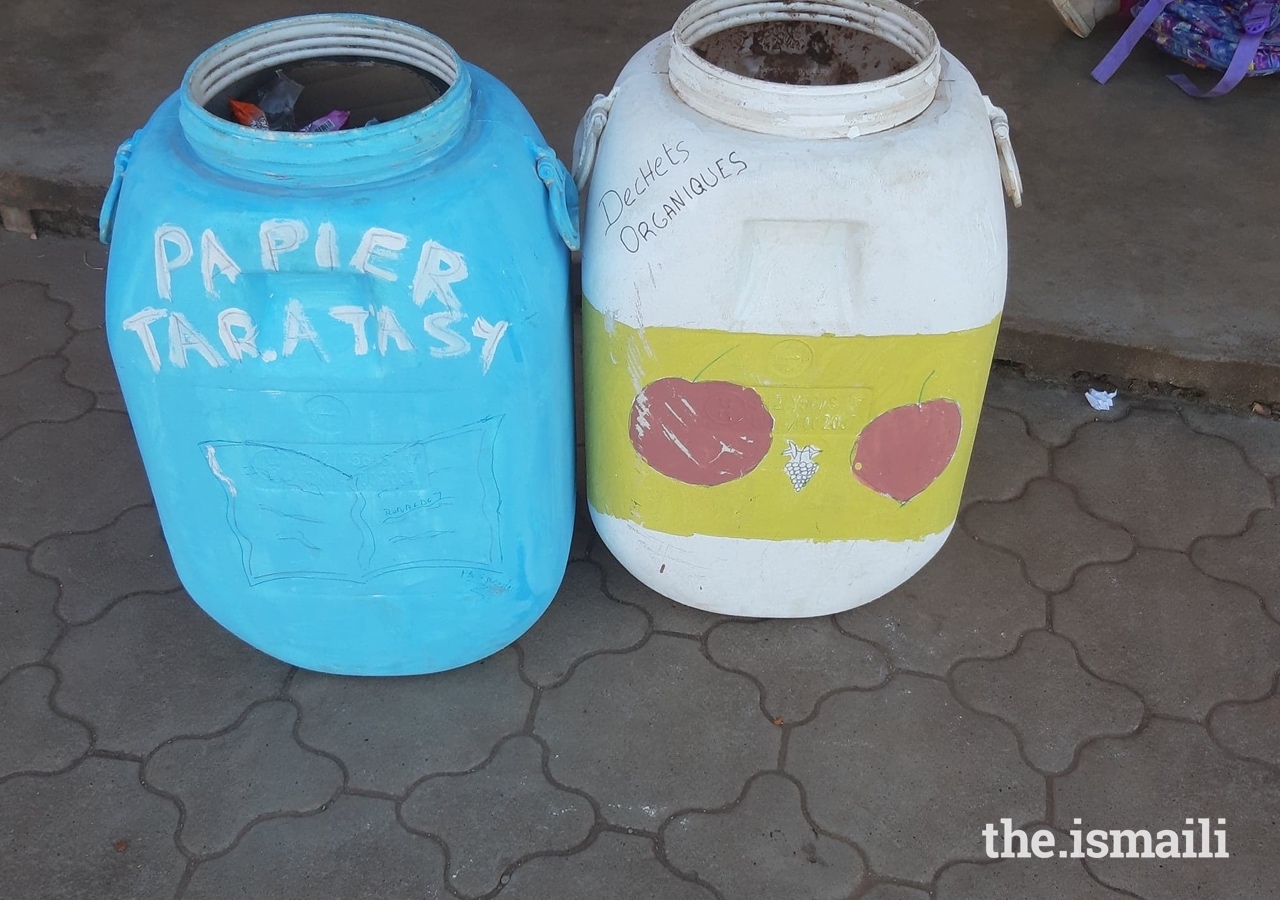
(352, 512)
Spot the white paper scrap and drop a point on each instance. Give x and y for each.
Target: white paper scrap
(1100, 400)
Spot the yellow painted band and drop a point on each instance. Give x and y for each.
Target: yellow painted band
(821, 392)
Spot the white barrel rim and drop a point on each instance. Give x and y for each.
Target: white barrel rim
(806, 111)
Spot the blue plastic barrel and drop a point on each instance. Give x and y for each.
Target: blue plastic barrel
(347, 356)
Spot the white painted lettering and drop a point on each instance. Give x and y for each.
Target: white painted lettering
(178, 237)
(355, 316)
(389, 328)
(140, 324)
(278, 237)
(491, 335)
(183, 337)
(244, 344)
(213, 259)
(327, 246)
(438, 269)
(379, 244)
(438, 326)
(298, 328)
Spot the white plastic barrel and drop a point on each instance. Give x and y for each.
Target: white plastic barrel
(794, 263)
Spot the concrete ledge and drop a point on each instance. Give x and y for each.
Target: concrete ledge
(55, 207)
(1058, 357)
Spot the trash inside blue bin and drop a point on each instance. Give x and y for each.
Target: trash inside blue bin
(347, 357)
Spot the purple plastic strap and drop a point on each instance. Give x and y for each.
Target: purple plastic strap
(1120, 52)
(1256, 21)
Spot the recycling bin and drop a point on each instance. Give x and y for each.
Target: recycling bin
(794, 263)
(346, 353)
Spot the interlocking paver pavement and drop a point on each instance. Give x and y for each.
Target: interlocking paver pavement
(1248, 559)
(1165, 774)
(971, 600)
(796, 661)
(37, 739)
(1016, 879)
(28, 625)
(1165, 483)
(1050, 532)
(38, 392)
(95, 568)
(1249, 729)
(1051, 702)
(493, 817)
(355, 849)
(91, 368)
(390, 733)
(1099, 639)
(226, 782)
(92, 831)
(910, 775)
(1005, 458)
(76, 476)
(763, 847)
(693, 733)
(155, 667)
(39, 325)
(577, 624)
(1180, 638)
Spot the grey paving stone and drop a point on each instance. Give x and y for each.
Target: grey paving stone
(74, 269)
(43, 330)
(1252, 559)
(1052, 413)
(91, 368)
(911, 776)
(1158, 779)
(354, 850)
(667, 615)
(797, 661)
(583, 537)
(37, 393)
(894, 892)
(1166, 484)
(1256, 436)
(156, 667)
(615, 866)
(656, 730)
(228, 781)
(581, 620)
(34, 738)
(76, 476)
(762, 848)
(1179, 638)
(493, 817)
(1050, 532)
(1023, 879)
(1004, 458)
(1249, 729)
(27, 623)
(1053, 704)
(91, 832)
(971, 600)
(126, 557)
(392, 731)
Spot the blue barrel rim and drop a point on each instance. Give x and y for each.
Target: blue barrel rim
(332, 159)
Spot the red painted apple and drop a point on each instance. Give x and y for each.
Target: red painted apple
(903, 451)
(700, 432)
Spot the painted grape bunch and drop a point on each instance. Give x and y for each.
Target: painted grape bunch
(801, 467)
